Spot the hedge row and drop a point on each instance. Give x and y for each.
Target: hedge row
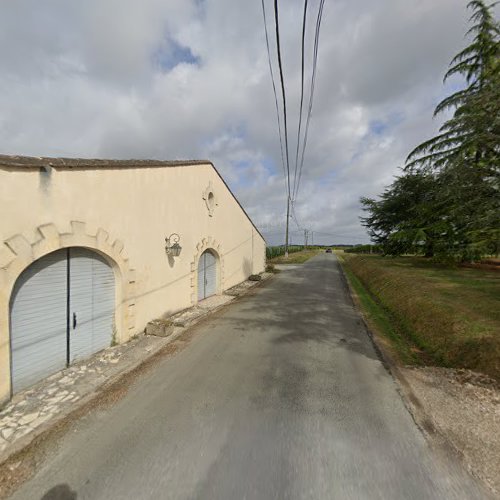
(364, 249)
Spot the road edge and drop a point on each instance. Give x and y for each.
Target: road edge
(436, 439)
(20, 462)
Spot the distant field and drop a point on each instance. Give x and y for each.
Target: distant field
(432, 313)
(295, 258)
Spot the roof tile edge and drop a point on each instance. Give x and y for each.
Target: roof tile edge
(29, 162)
(16, 162)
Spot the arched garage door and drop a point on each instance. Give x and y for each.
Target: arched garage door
(207, 275)
(62, 309)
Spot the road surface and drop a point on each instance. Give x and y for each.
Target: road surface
(279, 396)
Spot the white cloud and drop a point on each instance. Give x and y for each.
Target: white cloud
(87, 79)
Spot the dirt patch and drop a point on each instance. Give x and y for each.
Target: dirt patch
(463, 407)
(488, 264)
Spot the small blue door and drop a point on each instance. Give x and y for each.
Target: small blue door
(207, 275)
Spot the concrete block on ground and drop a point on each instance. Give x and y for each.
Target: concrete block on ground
(160, 328)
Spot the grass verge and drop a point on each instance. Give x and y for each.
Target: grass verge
(431, 313)
(381, 323)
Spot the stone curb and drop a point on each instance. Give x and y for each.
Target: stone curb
(26, 441)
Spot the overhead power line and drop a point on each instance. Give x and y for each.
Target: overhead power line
(294, 217)
(280, 65)
(275, 95)
(283, 119)
(311, 95)
(304, 19)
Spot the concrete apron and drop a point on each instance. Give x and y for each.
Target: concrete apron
(34, 411)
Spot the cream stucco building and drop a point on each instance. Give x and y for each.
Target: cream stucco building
(83, 260)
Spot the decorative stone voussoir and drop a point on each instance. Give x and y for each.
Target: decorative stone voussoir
(17, 253)
(6, 256)
(78, 228)
(49, 232)
(118, 246)
(78, 240)
(130, 313)
(102, 238)
(4, 278)
(15, 268)
(132, 276)
(20, 246)
(49, 241)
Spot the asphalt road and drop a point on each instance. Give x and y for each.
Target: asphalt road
(280, 396)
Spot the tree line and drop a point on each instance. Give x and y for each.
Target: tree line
(446, 202)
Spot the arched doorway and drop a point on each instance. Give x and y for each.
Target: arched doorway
(207, 275)
(61, 310)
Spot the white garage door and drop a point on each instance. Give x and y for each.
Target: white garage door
(92, 303)
(38, 320)
(207, 275)
(62, 309)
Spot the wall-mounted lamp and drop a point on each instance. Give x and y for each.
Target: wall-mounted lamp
(172, 246)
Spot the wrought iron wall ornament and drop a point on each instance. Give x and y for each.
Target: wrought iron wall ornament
(172, 246)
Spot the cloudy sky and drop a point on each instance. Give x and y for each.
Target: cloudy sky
(189, 79)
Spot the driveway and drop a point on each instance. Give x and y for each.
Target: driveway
(279, 396)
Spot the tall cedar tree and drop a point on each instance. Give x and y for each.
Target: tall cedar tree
(448, 200)
(406, 218)
(472, 134)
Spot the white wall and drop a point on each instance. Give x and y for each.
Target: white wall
(125, 213)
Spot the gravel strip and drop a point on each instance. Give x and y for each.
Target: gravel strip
(464, 408)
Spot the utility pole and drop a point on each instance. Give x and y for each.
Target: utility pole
(287, 219)
(312, 238)
(305, 238)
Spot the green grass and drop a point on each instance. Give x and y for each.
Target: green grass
(450, 314)
(295, 258)
(380, 322)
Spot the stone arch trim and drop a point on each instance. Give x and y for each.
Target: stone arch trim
(17, 253)
(206, 244)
